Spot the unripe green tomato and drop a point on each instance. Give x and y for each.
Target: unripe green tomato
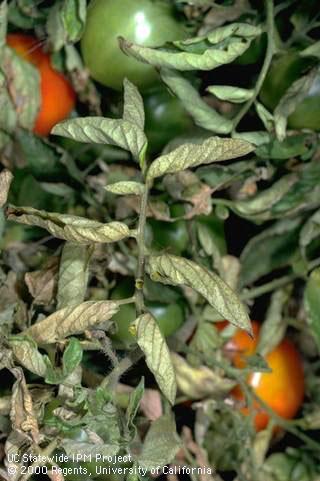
(285, 70)
(170, 236)
(254, 52)
(145, 22)
(169, 316)
(166, 118)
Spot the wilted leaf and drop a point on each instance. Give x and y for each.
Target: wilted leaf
(153, 344)
(25, 350)
(73, 16)
(312, 304)
(214, 149)
(5, 181)
(310, 230)
(99, 130)
(207, 56)
(175, 270)
(236, 95)
(133, 406)
(22, 82)
(125, 187)
(292, 146)
(71, 320)
(69, 227)
(274, 326)
(288, 103)
(161, 443)
(73, 274)
(71, 359)
(199, 382)
(22, 413)
(133, 110)
(274, 248)
(265, 116)
(42, 283)
(204, 115)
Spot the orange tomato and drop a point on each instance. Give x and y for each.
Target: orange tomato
(282, 389)
(57, 95)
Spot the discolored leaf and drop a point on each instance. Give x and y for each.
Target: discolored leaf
(6, 178)
(73, 274)
(133, 406)
(236, 95)
(274, 326)
(133, 110)
(310, 231)
(161, 443)
(25, 350)
(175, 270)
(288, 103)
(71, 359)
(199, 382)
(274, 248)
(71, 320)
(206, 57)
(73, 17)
(214, 149)
(204, 115)
(99, 130)
(312, 304)
(42, 283)
(125, 187)
(153, 344)
(69, 227)
(23, 86)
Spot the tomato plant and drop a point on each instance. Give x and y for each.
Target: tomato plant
(150, 23)
(57, 95)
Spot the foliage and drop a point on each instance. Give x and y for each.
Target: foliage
(80, 213)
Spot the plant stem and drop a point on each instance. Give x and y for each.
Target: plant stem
(275, 284)
(265, 67)
(141, 251)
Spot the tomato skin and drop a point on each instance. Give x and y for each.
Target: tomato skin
(165, 118)
(171, 236)
(57, 95)
(282, 389)
(144, 22)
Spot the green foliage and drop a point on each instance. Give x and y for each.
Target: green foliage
(215, 220)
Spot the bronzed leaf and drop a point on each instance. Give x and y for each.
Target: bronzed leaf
(153, 344)
(133, 110)
(214, 149)
(236, 95)
(125, 187)
(69, 227)
(99, 130)
(71, 320)
(175, 270)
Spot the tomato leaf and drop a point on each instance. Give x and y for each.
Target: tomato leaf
(6, 178)
(125, 187)
(68, 227)
(73, 274)
(175, 270)
(161, 443)
(214, 149)
(133, 110)
(71, 320)
(99, 130)
(204, 115)
(153, 344)
(25, 351)
(236, 95)
(310, 231)
(312, 304)
(209, 53)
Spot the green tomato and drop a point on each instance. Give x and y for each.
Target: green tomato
(145, 22)
(283, 72)
(254, 53)
(169, 316)
(170, 236)
(166, 118)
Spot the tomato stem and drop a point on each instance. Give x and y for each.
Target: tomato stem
(266, 64)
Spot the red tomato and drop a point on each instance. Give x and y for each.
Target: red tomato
(57, 95)
(282, 389)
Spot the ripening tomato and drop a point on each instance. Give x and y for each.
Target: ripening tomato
(282, 389)
(57, 95)
(146, 22)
